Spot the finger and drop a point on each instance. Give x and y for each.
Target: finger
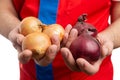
(65, 38)
(25, 56)
(72, 36)
(17, 47)
(67, 31)
(55, 40)
(87, 67)
(19, 39)
(18, 42)
(49, 56)
(13, 35)
(69, 60)
(68, 28)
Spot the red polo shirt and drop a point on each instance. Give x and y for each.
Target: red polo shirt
(64, 12)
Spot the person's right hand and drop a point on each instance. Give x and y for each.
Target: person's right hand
(25, 55)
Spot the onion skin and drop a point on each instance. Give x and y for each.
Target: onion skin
(86, 47)
(91, 30)
(29, 25)
(32, 24)
(38, 43)
(81, 25)
(38, 35)
(54, 29)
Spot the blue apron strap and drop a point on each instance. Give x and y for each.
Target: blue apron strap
(47, 14)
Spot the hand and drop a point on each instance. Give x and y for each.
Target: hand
(81, 64)
(25, 55)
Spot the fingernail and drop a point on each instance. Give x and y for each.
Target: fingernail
(69, 25)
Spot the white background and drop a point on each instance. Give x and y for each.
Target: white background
(9, 66)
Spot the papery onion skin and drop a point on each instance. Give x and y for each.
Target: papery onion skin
(38, 43)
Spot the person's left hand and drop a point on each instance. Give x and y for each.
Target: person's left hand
(81, 64)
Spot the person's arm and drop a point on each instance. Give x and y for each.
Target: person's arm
(114, 29)
(115, 15)
(8, 17)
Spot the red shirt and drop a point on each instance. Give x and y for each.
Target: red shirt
(67, 13)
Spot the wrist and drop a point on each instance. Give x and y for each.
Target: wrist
(106, 42)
